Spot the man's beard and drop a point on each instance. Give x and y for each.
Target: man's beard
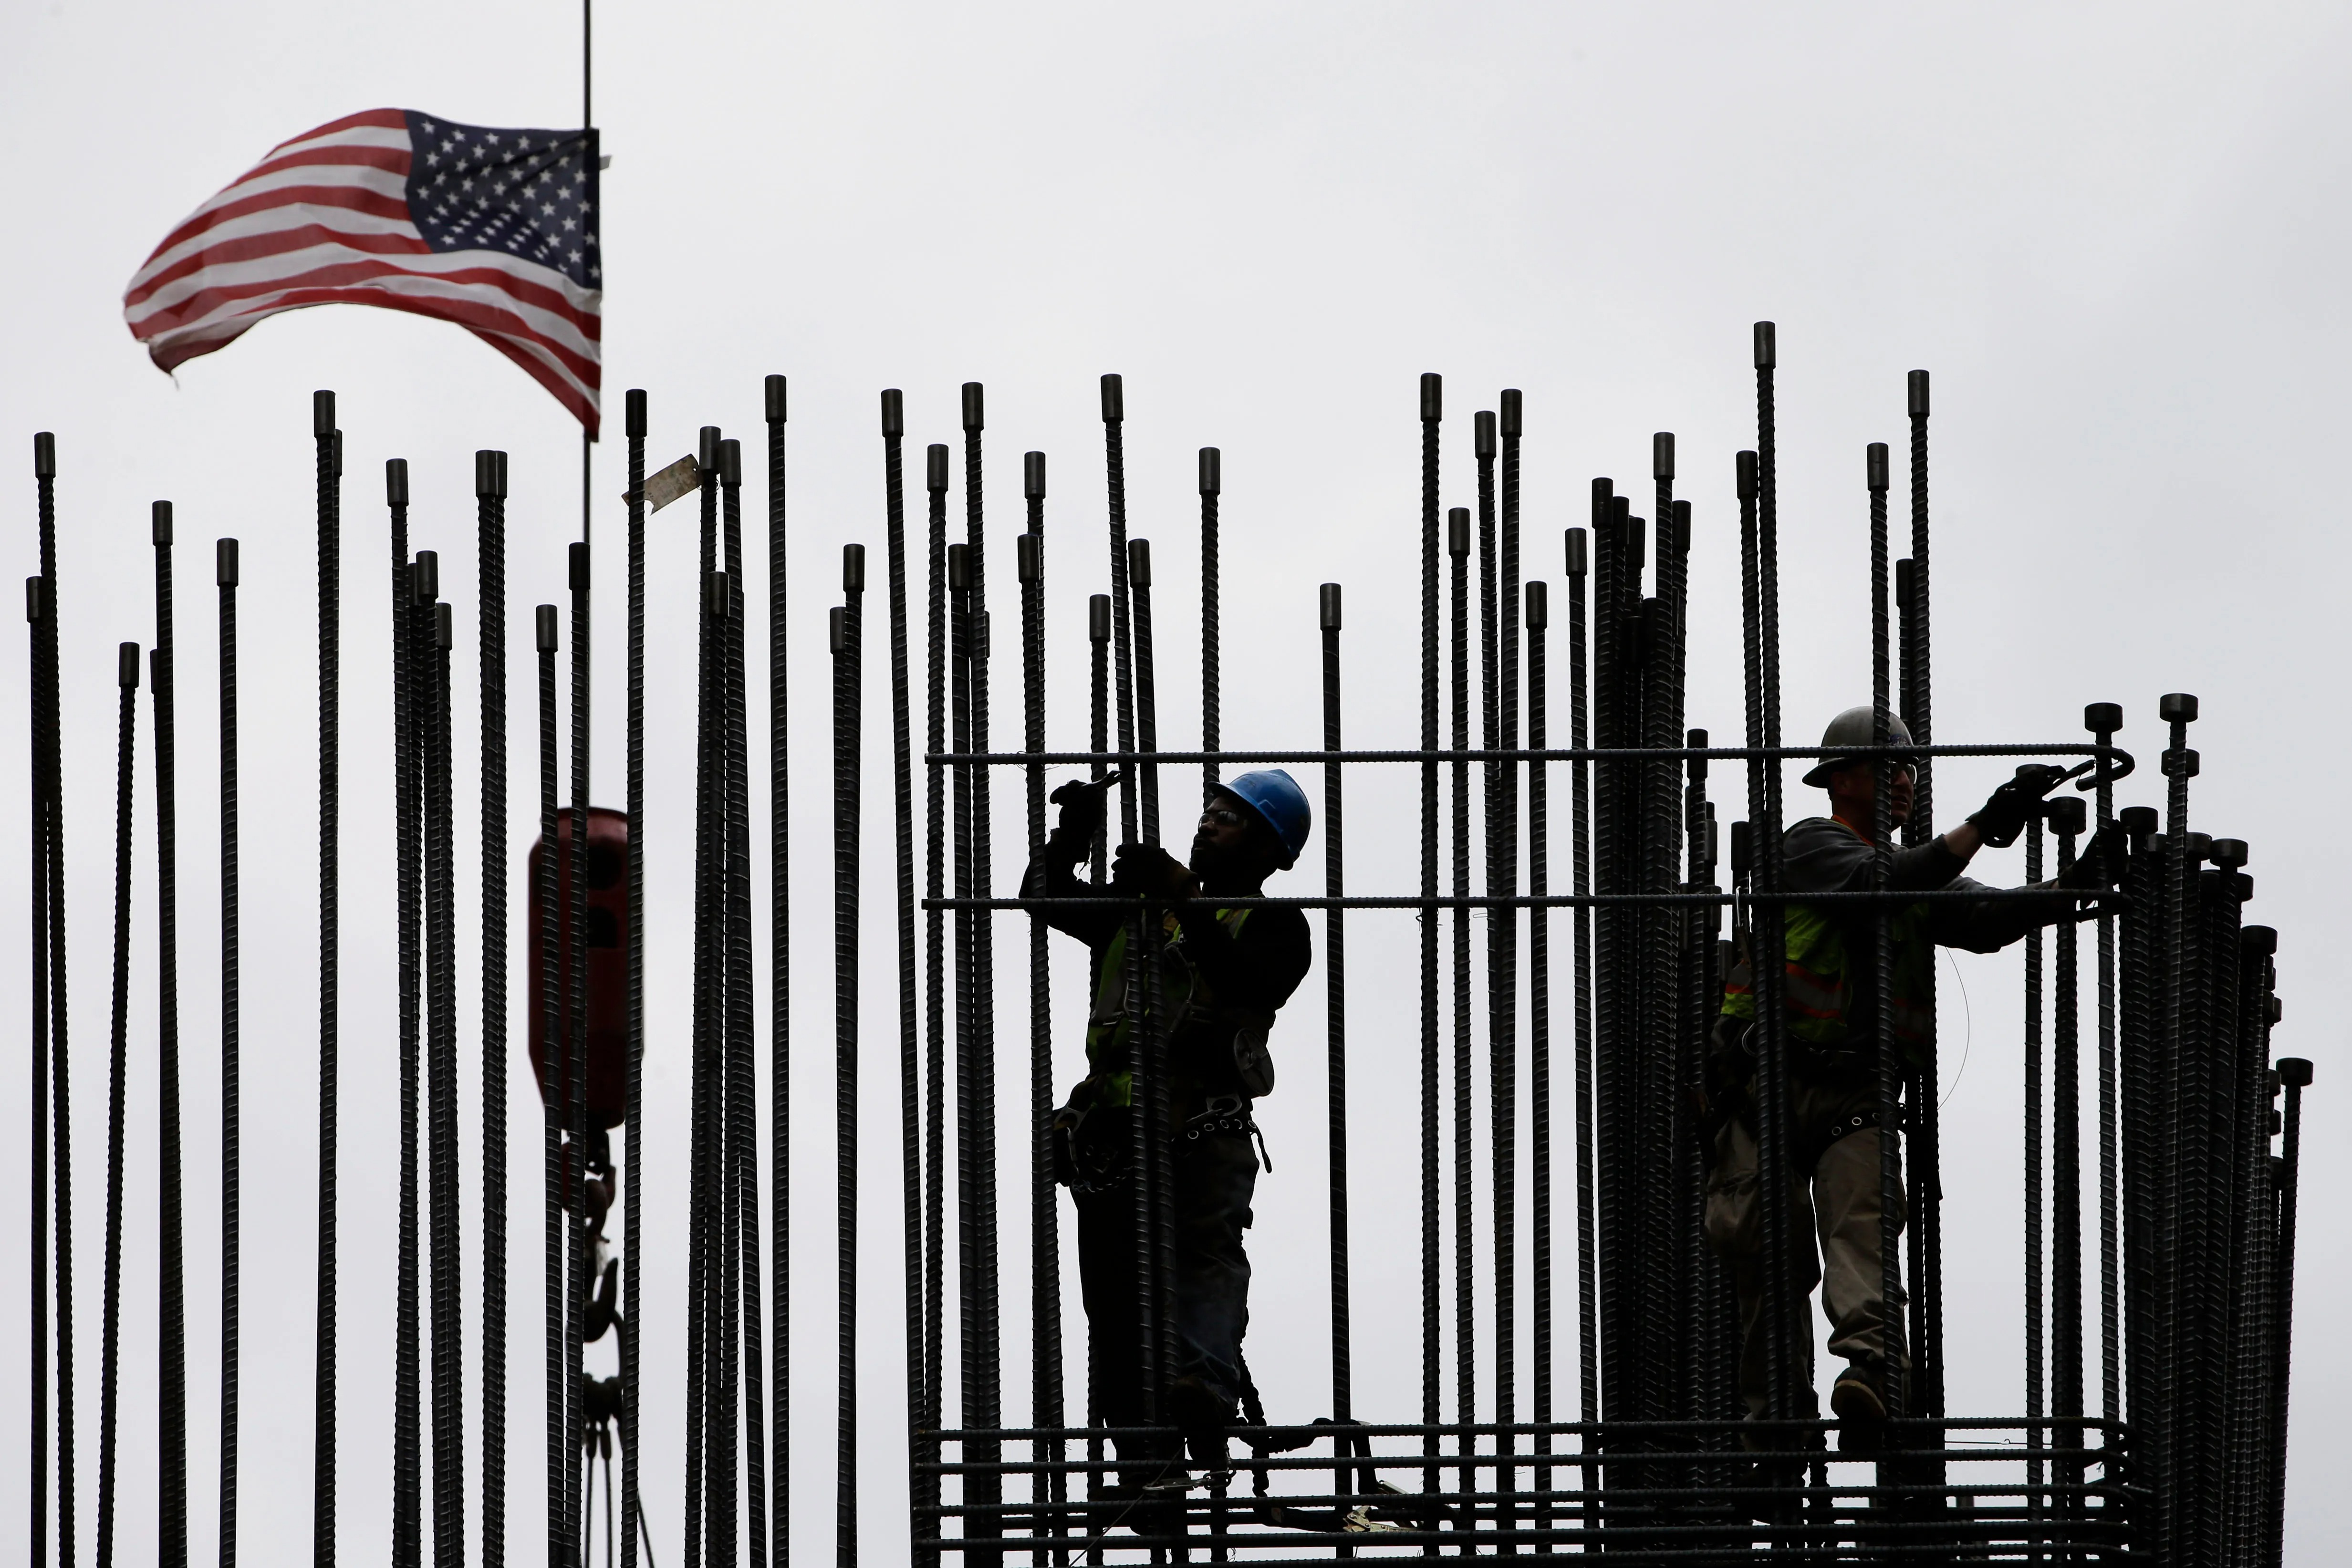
(1209, 862)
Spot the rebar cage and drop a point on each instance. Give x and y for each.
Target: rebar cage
(2181, 1458)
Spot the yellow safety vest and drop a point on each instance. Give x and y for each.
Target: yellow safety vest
(1820, 976)
(1181, 990)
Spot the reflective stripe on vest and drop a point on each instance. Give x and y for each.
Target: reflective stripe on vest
(1819, 977)
(1107, 1025)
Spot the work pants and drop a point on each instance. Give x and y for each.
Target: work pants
(1834, 1194)
(1214, 1177)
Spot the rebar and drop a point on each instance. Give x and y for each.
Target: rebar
(408, 1471)
(632, 1112)
(846, 772)
(779, 949)
(328, 442)
(1431, 414)
(224, 576)
(172, 1389)
(911, 1084)
(110, 1336)
(490, 579)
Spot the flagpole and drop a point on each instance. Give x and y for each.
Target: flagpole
(587, 120)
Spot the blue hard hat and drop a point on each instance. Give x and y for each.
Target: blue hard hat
(1279, 803)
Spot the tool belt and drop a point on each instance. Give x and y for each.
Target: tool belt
(1094, 1146)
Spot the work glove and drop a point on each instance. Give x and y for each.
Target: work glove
(2004, 814)
(1150, 872)
(2101, 863)
(1084, 805)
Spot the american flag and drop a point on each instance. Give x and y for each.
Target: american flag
(492, 229)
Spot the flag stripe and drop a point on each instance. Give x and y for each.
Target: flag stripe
(327, 218)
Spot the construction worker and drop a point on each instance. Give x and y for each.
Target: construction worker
(1224, 974)
(1833, 1046)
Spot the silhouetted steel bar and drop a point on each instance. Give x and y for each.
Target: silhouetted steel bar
(2252, 1204)
(172, 1390)
(328, 442)
(1610, 1358)
(42, 810)
(910, 1072)
(1891, 1065)
(1925, 1155)
(2036, 1236)
(983, 1372)
(2176, 1219)
(632, 1173)
(1490, 801)
(50, 761)
(2066, 818)
(706, 1144)
(1769, 948)
(1211, 489)
(490, 555)
(224, 576)
(847, 631)
(1431, 414)
(1159, 1230)
(1044, 1240)
(1099, 643)
(111, 1329)
(780, 941)
(552, 1153)
(1504, 935)
(2294, 1073)
(2102, 719)
(1335, 972)
(441, 1090)
(1457, 549)
(935, 720)
(407, 1456)
(1538, 620)
(968, 1308)
(575, 1080)
(1588, 1346)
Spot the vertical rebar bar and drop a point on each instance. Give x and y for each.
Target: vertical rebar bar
(1335, 971)
(1490, 801)
(780, 949)
(910, 1085)
(1431, 413)
(441, 1091)
(2294, 1073)
(37, 1480)
(2036, 1235)
(707, 1140)
(1150, 1033)
(632, 1113)
(1465, 1400)
(109, 1322)
(1538, 620)
(47, 759)
(2102, 719)
(407, 1462)
(1891, 1064)
(328, 450)
(1576, 565)
(491, 490)
(575, 1080)
(935, 711)
(744, 1305)
(172, 1387)
(224, 576)
(2066, 821)
(552, 1155)
(1211, 489)
(1503, 933)
(848, 742)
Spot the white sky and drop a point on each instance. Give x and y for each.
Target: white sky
(2112, 232)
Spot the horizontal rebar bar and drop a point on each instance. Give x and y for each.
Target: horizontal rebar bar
(1522, 754)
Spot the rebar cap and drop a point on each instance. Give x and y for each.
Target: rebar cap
(1457, 530)
(2294, 1070)
(1433, 397)
(396, 481)
(1661, 454)
(1212, 465)
(45, 455)
(37, 598)
(894, 409)
(579, 563)
(852, 569)
(1113, 398)
(1098, 618)
(1604, 501)
(633, 404)
(731, 463)
(935, 467)
(322, 414)
(1906, 583)
(126, 666)
(339, 454)
(424, 578)
(706, 454)
(2137, 821)
(1511, 407)
(836, 629)
(443, 632)
(715, 596)
(1327, 598)
(1743, 468)
(2067, 814)
(1576, 552)
(1918, 389)
(225, 563)
(1538, 606)
(158, 523)
(1874, 464)
(974, 414)
(773, 389)
(1033, 476)
(1482, 433)
(1743, 849)
(2103, 718)
(1028, 565)
(489, 474)
(1138, 562)
(2259, 940)
(1766, 349)
(2177, 707)
(2227, 853)
(958, 566)
(544, 618)
(1695, 740)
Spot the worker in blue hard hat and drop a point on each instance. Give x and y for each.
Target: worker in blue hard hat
(1224, 974)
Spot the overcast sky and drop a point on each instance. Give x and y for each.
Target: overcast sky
(2114, 233)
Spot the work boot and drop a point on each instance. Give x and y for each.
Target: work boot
(1195, 1409)
(1857, 1398)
